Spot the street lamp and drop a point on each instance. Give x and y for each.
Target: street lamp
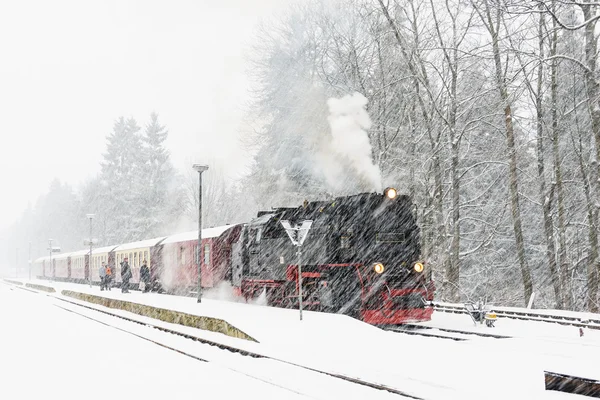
(91, 217)
(200, 168)
(51, 250)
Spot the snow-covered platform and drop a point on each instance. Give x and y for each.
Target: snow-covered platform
(269, 325)
(427, 367)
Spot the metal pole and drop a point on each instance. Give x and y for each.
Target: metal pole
(200, 168)
(17, 264)
(199, 252)
(90, 260)
(299, 253)
(29, 260)
(50, 242)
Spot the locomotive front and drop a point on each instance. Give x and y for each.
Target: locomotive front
(365, 250)
(397, 287)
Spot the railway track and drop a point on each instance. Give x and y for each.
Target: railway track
(451, 334)
(68, 304)
(409, 331)
(582, 322)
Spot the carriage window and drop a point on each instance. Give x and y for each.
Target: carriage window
(206, 254)
(146, 256)
(390, 237)
(182, 255)
(345, 242)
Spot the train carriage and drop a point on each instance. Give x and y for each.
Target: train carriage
(179, 270)
(136, 252)
(41, 267)
(61, 266)
(78, 266)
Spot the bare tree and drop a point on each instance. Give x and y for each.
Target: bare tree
(492, 20)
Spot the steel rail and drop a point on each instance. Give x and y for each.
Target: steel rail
(590, 323)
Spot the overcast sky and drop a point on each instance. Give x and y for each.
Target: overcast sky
(69, 68)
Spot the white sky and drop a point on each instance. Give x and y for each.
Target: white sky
(69, 68)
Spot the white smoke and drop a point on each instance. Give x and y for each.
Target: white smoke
(223, 291)
(346, 161)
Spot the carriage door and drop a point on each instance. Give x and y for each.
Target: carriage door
(111, 261)
(156, 262)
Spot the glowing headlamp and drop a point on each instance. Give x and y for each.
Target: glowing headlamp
(379, 268)
(391, 193)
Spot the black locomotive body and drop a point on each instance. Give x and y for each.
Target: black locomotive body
(361, 257)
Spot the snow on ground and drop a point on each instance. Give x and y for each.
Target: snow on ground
(428, 367)
(47, 352)
(558, 348)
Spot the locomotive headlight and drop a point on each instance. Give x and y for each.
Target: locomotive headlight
(379, 268)
(391, 193)
(418, 267)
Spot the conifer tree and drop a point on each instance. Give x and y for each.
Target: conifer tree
(122, 180)
(157, 174)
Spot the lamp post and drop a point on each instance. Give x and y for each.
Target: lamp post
(91, 217)
(297, 235)
(29, 260)
(51, 250)
(200, 168)
(17, 264)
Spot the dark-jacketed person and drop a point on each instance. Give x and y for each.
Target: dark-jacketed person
(145, 277)
(102, 273)
(125, 275)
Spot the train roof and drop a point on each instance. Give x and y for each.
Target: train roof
(79, 253)
(140, 243)
(207, 233)
(105, 249)
(60, 256)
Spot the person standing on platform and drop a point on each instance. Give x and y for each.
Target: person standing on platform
(145, 277)
(102, 273)
(125, 275)
(108, 276)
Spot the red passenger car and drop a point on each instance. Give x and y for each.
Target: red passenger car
(178, 271)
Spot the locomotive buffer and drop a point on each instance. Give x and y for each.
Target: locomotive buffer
(297, 234)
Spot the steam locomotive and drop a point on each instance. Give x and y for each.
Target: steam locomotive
(360, 257)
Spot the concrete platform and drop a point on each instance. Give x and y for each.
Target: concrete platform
(268, 325)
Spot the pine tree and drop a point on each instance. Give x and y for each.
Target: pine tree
(122, 180)
(158, 173)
